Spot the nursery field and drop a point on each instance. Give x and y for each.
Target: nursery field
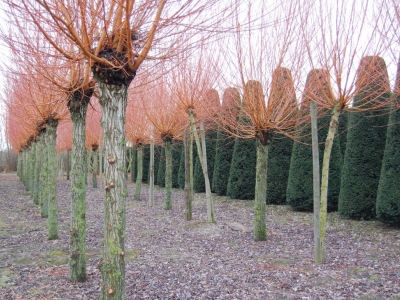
(170, 258)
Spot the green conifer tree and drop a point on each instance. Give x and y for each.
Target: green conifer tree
(223, 158)
(279, 153)
(388, 199)
(242, 173)
(365, 141)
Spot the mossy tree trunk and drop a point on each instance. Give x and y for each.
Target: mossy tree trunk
(31, 166)
(51, 134)
(139, 176)
(36, 181)
(151, 174)
(113, 100)
(77, 247)
(133, 163)
(44, 174)
(260, 232)
(168, 174)
(188, 154)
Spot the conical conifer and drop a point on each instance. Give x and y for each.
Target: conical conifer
(365, 141)
(388, 199)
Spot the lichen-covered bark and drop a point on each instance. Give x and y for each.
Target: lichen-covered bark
(44, 174)
(260, 232)
(188, 148)
(113, 100)
(36, 180)
(168, 174)
(139, 176)
(51, 131)
(77, 246)
(325, 178)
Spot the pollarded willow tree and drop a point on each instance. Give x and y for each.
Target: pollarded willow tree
(168, 120)
(115, 38)
(338, 35)
(189, 84)
(45, 102)
(265, 114)
(138, 133)
(72, 76)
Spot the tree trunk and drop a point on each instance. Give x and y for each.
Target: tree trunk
(318, 251)
(151, 175)
(31, 167)
(133, 163)
(38, 155)
(325, 178)
(68, 165)
(260, 232)
(26, 168)
(210, 203)
(51, 134)
(168, 174)
(188, 148)
(138, 185)
(44, 174)
(95, 161)
(203, 162)
(113, 100)
(77, 246)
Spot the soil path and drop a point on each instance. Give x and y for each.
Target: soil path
(169, 258)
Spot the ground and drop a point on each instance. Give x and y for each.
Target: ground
(170, 258)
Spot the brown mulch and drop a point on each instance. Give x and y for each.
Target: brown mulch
(170, 258)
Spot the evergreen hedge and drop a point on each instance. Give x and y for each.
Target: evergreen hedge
(223, 158)
(388, 198)
(279, 153)
(242, 173)
(365, 142)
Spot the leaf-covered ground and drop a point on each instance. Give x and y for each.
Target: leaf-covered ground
(170, 258)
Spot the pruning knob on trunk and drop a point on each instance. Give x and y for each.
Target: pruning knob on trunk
(110, 291)
(111, 160)
(122, 253)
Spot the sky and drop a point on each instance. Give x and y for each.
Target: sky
(391, 63)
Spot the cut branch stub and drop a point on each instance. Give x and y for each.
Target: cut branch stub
(121, 75)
